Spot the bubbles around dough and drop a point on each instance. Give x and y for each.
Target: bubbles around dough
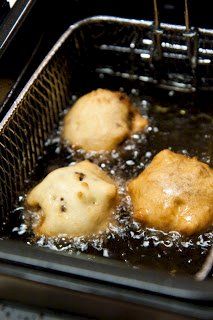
(73, 201)
(174, 193)
(101, 120)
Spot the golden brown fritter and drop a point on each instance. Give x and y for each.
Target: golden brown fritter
(101, 120)
(174, 193)
(73, 201)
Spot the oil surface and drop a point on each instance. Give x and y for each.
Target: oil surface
(181, 127)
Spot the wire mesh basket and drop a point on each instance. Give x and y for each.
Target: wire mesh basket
(166, 56)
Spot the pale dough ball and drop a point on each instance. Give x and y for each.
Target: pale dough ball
(74, 201)
(101, 120)
(174, 193)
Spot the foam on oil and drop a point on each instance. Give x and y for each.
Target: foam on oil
(181, 128)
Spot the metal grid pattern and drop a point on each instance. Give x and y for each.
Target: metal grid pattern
(169, 56)
(24, 134)
(172, 57)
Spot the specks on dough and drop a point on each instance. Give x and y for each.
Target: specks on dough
(85, 185)
(80, 175)
(63, 208)
(74, 207)
(80, 195)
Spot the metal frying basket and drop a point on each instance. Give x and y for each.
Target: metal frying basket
(167, 56)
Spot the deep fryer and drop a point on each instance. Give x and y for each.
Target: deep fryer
(36, 112)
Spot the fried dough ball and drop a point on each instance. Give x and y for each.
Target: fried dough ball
(73, 201)
(174, 193)
(101, 120)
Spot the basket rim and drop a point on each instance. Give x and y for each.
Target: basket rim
(68, 32)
